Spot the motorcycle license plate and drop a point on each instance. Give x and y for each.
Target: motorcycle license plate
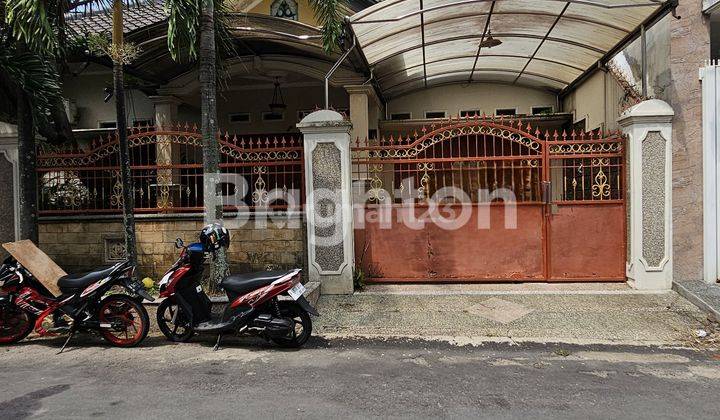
(296, 291)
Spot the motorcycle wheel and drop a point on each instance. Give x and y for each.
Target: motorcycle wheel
(303, 325)
(180, 330)
(15, 324)
(127, 311)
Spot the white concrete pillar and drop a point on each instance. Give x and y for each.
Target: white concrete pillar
(326, 137)
(167, 153)
(364, 111)
(359, 113)
(648, 126)
(166, 110)
(710, 78)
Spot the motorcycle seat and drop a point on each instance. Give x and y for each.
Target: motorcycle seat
(247, 282)
(72, 282)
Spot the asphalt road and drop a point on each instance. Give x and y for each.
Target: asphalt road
(346, 378)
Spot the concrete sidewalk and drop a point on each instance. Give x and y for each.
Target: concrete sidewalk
(705, 295)
(582, 314)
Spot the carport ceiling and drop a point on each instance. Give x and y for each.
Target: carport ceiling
(415, 44)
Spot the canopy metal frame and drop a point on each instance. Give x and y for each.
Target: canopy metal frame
(462, 2)
(408, 48)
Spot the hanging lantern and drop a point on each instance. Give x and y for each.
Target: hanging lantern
(490, 42)
(277, 106)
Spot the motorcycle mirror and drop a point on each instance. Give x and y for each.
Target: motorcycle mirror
(179, 243)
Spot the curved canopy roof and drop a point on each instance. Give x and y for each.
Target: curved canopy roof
(292, 45)
(414, 44)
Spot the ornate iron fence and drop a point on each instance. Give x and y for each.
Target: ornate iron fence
(482, 154)
(586, 167)
(167, 173)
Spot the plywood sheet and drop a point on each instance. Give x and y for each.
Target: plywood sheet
(37, 262)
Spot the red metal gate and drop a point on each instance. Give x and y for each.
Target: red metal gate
(484, 199)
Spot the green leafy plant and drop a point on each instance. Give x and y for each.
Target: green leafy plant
(358, 278)
(359, 275)
(101, 44)
(184, 32)
(329, 15)
(35, 23)
(34, 74)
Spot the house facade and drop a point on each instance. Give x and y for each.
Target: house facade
(513, 105)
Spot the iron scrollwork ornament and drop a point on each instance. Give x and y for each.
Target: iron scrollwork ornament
(424, 189)
(260, 195)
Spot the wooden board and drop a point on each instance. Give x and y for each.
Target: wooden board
(37, 263)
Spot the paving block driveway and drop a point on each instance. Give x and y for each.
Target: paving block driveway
(605, 318)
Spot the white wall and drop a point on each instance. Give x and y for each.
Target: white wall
(484, 96)
(256, 102)
(597, 100)
(87, 91)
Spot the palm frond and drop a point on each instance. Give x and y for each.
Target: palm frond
(223, 34)
(184, 32)
(36, 76)
(40, 24)
(183, 28)
(33, 23)
(224, 41)
(329, 15)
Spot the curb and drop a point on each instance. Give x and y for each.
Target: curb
(695, 299)
(478, 341)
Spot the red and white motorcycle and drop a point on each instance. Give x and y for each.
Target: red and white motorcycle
(86, 304)
(254, 305)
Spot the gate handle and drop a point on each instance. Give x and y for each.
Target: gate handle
(546, 192)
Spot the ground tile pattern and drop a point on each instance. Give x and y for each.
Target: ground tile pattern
(630, 318)
(499, 310)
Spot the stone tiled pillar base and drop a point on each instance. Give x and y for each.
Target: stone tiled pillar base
(329, 201)
(648, 126)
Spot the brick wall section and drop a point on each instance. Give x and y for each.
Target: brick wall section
(79, 245)
(689, 48)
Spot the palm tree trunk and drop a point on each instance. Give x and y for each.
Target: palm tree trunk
(28, 176)
(212, 194)
(124, 152)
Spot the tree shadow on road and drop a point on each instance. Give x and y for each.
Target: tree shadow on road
(27, 405)
(248, 343)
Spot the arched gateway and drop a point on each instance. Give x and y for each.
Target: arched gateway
(490, 199)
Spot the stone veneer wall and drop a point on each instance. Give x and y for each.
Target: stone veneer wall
(689, 48)
(79, 245)
(7, 209)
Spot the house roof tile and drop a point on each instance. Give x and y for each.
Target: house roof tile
(135, 17)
